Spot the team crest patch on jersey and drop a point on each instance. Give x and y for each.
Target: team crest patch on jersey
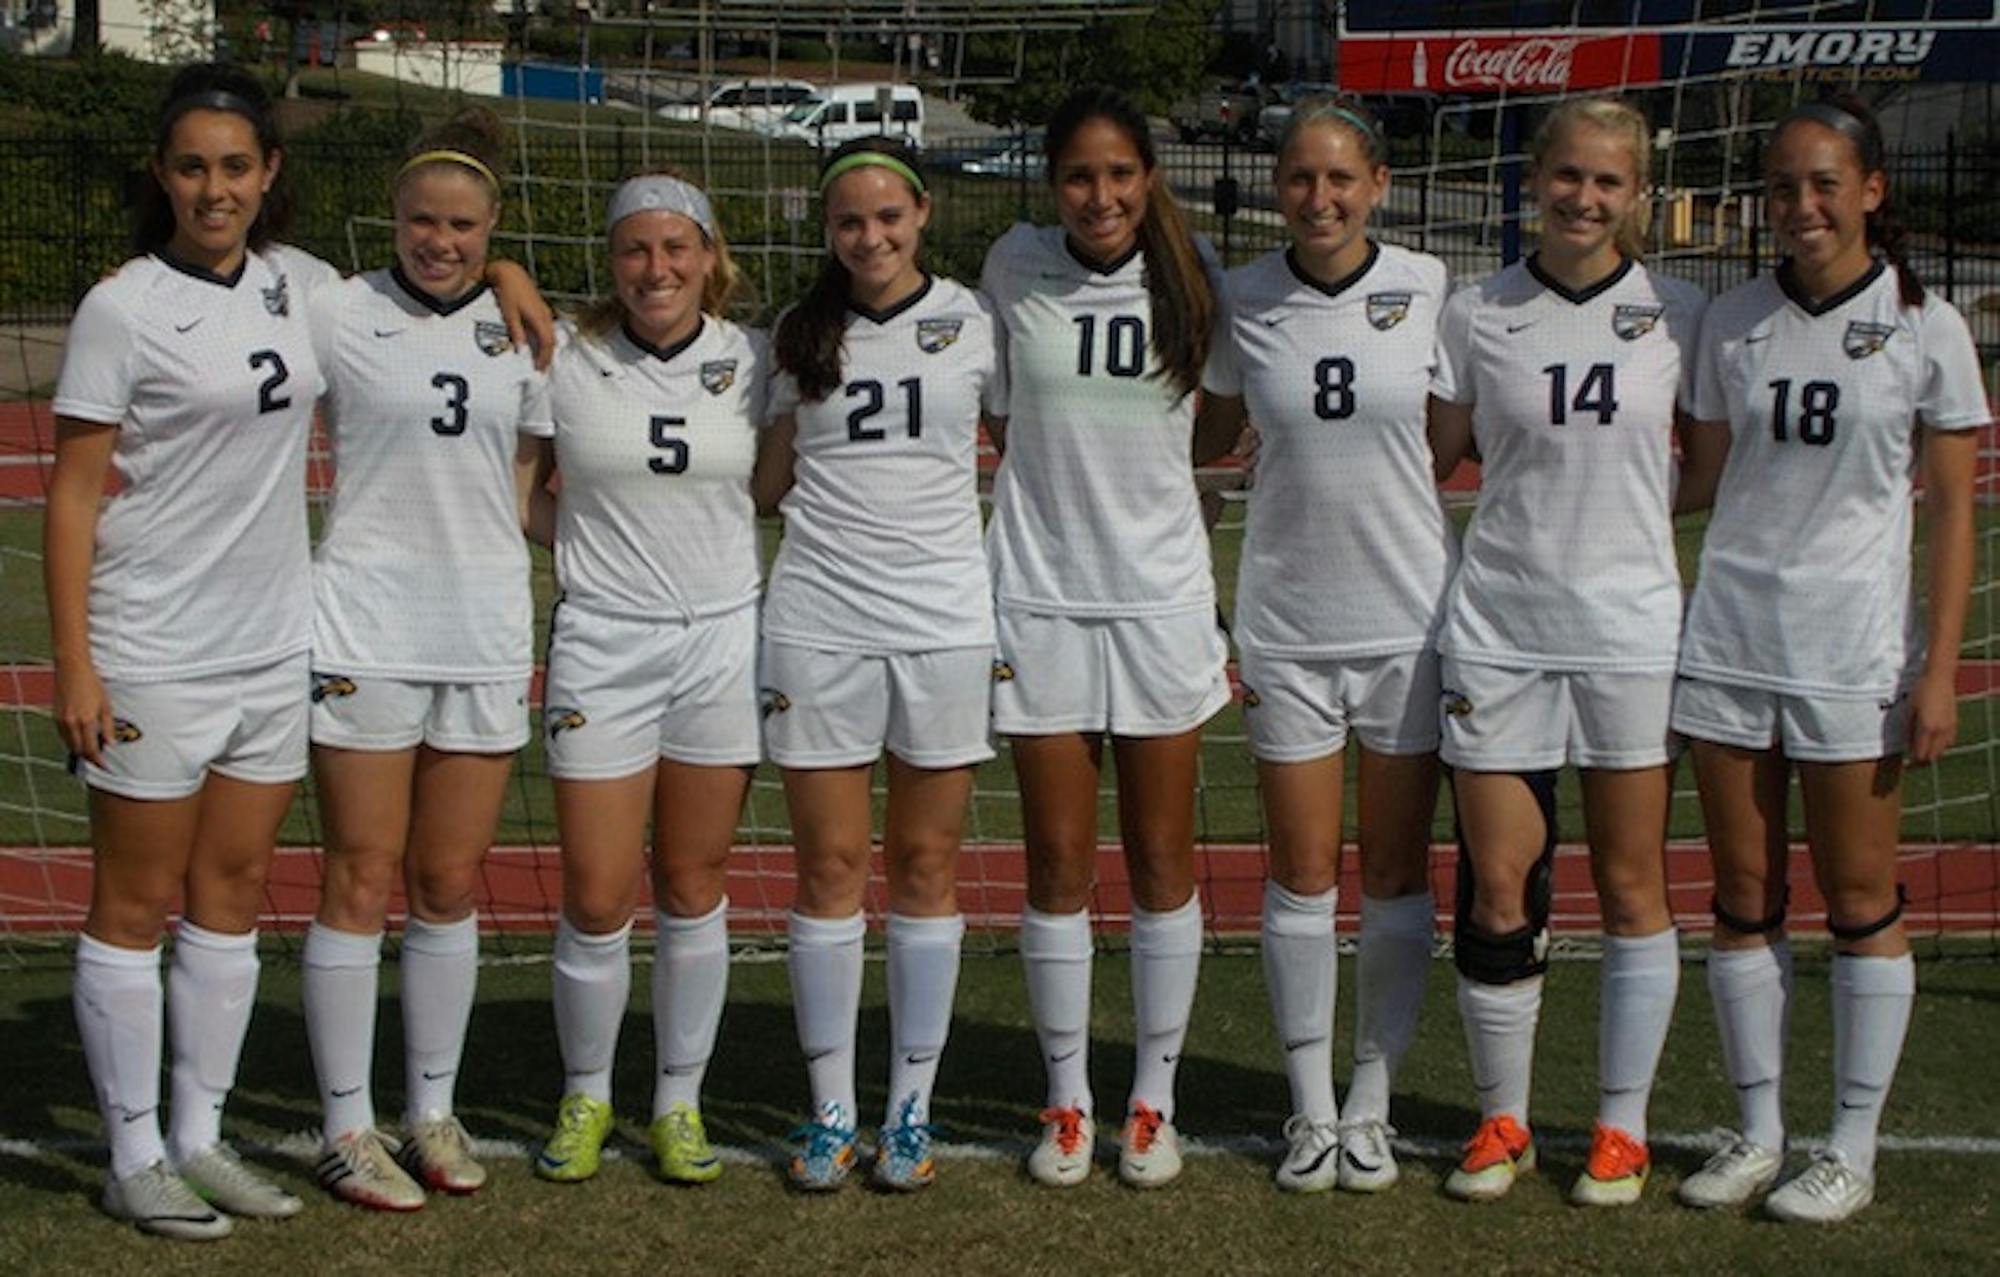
(934, 335)
(1456, 704)
(1863, 339)
(331, 686)
(773, 701)
(278, 298)
(1003, 672)
(1386, 310)
(718, 375)
(1633, 322)
(563, 720)
(125, 731)
(491, 337)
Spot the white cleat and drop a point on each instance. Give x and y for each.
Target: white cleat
(1827, 1191)
(1312, 1155)
(1732, 1177)
(219, 1175)
(157, 1200)
(1150, 1152)
(1367, 1164)
(1069, 1141)
(438, 1155)
(361, 1168)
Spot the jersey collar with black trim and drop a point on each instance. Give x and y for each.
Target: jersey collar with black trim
(203, 273)
(1578, 296)
(436, 305)
(665, 354)
(889, 312)
(1834, 301)
(1101, 268)
(1338, 286)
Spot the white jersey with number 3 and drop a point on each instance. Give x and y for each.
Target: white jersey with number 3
(1569, 560)
(1805, 569)
(1348, 551)
(655, 448)
(202, 559)
(421, 572)
(1094, 508)
(882, 533)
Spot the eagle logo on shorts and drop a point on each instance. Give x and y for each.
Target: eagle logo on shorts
(563, 720)
(1863, 339)
(1386, 310)
(934, 335)
(125, 731)
(491, 337)
(1250, 698)
(277, 298)
(774, 701)
(1633, 322)
(1456, 704)
(718, 375)
(1003, 672)
(331, 686)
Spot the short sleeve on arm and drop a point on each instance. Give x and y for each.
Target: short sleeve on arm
(1704, 397)
(758, 398)
(1451, 380)
(1953, 394)
(96, 380)
(784, 394)
(1221, 375)
(993, 391)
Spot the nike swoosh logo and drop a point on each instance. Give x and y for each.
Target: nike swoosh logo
(925, 1058)
(1515, 328)
(821, 1055)
(189, 326)
(130, 1118)
(1620, 1090)
(680, 1070)
(1754, 338)
(339, 1094)
(1366, 1168)
(387, 332)
(1855, 1108)
(1317, 1162)
(1272, 321)
(436, 1077)
(1300, 1044)
(1169, 1059)
(1066, 1055)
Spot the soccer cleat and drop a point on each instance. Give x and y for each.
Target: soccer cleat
(1827, 1191)
(681, 1148)
(1615, 1172)
(1150, 1152)
(826, 1151)
(218, 1175)
(572, 1153)
(1069, 1141)
(903, 1160)
(1367, 1164)
(156, 1200)
(438, 1154)
(1733, 1176)
(1499, 1152)
(361, 1168)
(1312, 1155)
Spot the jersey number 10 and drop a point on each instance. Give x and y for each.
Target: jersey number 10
(1124, 345)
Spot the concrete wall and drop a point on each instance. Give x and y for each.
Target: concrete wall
(469, 67)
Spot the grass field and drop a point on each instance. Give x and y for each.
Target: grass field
(1935, 1211)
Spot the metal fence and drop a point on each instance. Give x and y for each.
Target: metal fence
(64, 223)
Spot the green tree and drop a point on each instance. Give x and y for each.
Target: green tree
(1158, 59)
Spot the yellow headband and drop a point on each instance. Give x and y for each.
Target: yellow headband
(451, 157)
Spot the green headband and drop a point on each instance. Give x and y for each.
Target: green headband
(1360, 125)
(862, 159)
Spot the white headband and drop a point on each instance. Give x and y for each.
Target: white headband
(656, 192)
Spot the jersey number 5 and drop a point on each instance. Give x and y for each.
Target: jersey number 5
(674, 458)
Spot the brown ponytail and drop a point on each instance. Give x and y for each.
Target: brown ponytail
(1855, 121)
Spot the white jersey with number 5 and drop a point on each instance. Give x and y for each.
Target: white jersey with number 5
(1569, 560)
(882, 534)
(1805, 569)
(655, 448)
(421, 572)
(1094, 508)
(1347, 551)
(202, 559)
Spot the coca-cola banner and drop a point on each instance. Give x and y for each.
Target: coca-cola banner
(1483, 63)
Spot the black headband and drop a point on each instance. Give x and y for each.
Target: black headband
(1836, 117)
(212, 100)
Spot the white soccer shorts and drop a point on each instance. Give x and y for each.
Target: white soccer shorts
(623, 693)
(1496, 719)
(1130, 676)
(1297, 710)
(841, 709)
(247, 725)
(365, 712)
(1808, 729)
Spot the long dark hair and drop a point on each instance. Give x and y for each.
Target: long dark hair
(1855, 121)
(810, 336)
(1183, 303)
(213, 86)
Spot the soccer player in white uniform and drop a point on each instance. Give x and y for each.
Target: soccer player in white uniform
(878, 638)
(1562, 374)
(1832, 383)
(1329, 345)
(651, 703)
(1106, 603)
(422, 651)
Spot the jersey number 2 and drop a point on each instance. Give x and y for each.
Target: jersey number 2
(268, 399)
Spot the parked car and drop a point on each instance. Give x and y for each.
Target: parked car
(1221, 111)
(741, 104)
(1272, 119)
(841, 112)
(1011, 155)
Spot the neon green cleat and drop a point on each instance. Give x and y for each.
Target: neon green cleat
(571, 1155)
(680, 1142)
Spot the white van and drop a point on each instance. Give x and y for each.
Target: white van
(842, 112)
(741, 104)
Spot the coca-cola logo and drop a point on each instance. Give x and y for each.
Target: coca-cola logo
(1540, 62)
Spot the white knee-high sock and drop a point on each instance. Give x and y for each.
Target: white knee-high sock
(593, 982)
(923, 981)
(440, 976)
(1055, 955)
(1872, 998)
(342, 973)
(1166, 961)
(1639, 980)
(1391, 964)
(119, 1017)
(690, 985)
(825, 962)
(211, 990)
(1752, 993)
(1300, 962)
(1500, 1039)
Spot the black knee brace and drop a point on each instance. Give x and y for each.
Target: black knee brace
(1750, 927)
(1505, 959)
(1866, 929)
